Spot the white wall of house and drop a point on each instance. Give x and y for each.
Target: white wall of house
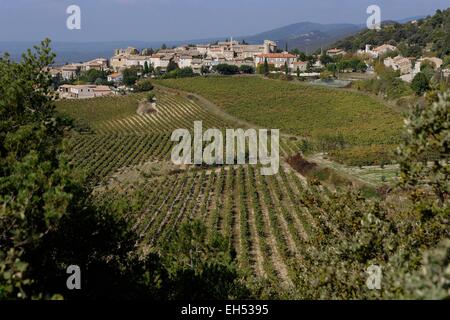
(185, 62)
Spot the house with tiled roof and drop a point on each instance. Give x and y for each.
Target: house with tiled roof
(115, 77)
(70, 71)
(68, 91)
(383, 49)
(97, 64)
(299, 65)
(277, 59)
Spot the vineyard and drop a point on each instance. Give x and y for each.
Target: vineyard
(356, 127)
(122, 138)
(267, 219)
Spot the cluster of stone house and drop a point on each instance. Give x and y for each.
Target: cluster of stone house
(195, 57)
(410, 67)
(71, 71)
(407, 66)
(377, 52)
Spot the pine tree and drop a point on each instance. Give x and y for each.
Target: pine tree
(266, 67)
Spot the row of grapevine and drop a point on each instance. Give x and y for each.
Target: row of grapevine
(172, 112)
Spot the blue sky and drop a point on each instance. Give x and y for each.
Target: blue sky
(154, 20)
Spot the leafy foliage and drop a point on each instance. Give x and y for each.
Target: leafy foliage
(94, 76)
(247, 69)
(411, 38)
(201, 268)
(143, 85)
(130, 76)
(420, 84)
(392, 235)
(428, 138)
(185, 72)
(226, 69)
(37, 185)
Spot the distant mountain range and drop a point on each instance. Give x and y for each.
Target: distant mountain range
(306, 36)
(309, 36)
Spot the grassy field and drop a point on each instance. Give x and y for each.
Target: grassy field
(327, 116)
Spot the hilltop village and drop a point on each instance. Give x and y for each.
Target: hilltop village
(119, 73)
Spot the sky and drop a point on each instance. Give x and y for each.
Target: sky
(169, 20)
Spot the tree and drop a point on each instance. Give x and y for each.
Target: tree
(146, 68)
(45, 201)
(266, 67)
(302, 56)
(143, 85)
(92, 75)
(286, 68)
(420, 84)
(180, 73)
(226, 69)
(202, 267)
(205, 70)
(326, 75)
(130, 76)
(325, 59)
(331, 67)
(151, 97)
(446, 62)
(428, 139)
(34, 195)
(39, 188)
(247, 69)
(172, 66)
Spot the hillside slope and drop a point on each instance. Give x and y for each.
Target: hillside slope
(346, 123)
(429, 35)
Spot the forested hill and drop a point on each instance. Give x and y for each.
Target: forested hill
(431, 34)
